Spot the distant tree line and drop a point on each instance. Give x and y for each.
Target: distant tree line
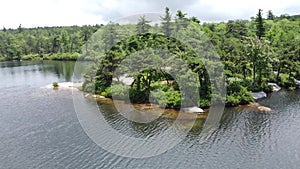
(61, 43)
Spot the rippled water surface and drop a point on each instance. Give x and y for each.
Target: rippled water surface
(40, 129)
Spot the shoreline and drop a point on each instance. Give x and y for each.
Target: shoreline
(253, 106)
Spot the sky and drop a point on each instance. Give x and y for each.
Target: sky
(34, 13)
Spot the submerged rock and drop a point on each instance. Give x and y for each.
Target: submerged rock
(276, 88)
(256, 107)
(258, 95)
(264, 109)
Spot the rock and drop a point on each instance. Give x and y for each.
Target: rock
(297, 82)
(101, 97)
(256, 107)
(276, 88)
(94, 96)
(258, 95)
(264, 109)
(86, 95)
(193, 109)
(127, 80)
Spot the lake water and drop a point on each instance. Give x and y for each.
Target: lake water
(40, 129)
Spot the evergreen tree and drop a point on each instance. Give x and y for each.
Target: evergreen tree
(143, 25)
(270, 15)
(166, 22)
(260, 28)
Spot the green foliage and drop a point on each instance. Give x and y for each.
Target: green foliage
(169, 98)
(237, 94)
(55, 84)
(204, 103)
(116, 91)
(138, 96)
(253, 52)
(31, 57)
(287, 82)
(260, 28)
(55, 43)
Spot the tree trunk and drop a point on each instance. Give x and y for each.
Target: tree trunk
(254, 75)
(86, 47)
(278, 73)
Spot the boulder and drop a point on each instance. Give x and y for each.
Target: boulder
(193, 109)
(258, 95)
(297, 82)
(276, 88)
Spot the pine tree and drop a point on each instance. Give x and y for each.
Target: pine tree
(260, 29)
(166, 22)
(270, 15)
(143, 25)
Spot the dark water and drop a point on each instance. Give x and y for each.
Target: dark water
(40, 129)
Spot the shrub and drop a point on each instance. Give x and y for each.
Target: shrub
(173, 98)
(237, 94)
(287, 82)
(232, 100)
(204, 103)
(55, 84)
(138, 96)
(88, 87)
(118, 91)
(169, 99)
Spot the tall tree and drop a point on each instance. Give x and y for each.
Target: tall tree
(109, 36)
(180, 20)
(258, 52)
(166, 22)
(86, 34)
(260, 28)
(270, 15)
(143, 25)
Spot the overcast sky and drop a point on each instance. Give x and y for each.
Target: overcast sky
(33, 13)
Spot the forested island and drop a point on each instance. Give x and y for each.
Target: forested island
(253, 52)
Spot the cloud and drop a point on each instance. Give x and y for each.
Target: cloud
(32, 13)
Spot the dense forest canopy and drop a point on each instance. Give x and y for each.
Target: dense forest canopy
(253, 52)
(55, 43)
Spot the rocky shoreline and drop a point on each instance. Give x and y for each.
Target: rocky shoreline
(193, 110)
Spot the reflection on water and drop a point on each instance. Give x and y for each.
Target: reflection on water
(36, 73)
(40, 129)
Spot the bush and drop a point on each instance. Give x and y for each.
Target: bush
(55, 84)
(232, 100)
(138, 96)
(169, 99)
(173, 98)
(268, 88)
(31, 57)
(118, 91)
(88, 87)
(204, 103)
(61, 56)
(163, 87)
(237, 94)
(2, 58)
